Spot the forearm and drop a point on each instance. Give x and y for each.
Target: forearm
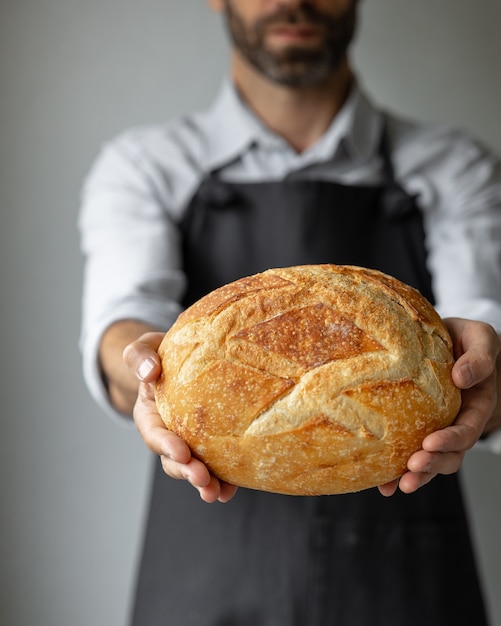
(122, 385)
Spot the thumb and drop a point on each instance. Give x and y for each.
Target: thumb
(141, 357)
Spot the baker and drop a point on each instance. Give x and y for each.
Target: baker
(293, 164)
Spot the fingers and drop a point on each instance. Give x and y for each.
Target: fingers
(478, 404)
(477, 346)
(217, 490)
(175, 455)
(227, 491)
(193, 471)
(475, 373)
(388, 489)
(444, 450)
(196, 473)
(412, 481)
(423, 462)
(423, 467)
(407, 483)
(152, 429)
(141, 356)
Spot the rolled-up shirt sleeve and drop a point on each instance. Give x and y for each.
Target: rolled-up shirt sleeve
(131, 249)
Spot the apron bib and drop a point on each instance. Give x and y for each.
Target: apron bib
(271, 560)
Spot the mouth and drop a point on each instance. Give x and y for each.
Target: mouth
(294, 33)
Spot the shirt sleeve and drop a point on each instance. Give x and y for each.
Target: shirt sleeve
(464, 230)
(131, 251)
(464, 237)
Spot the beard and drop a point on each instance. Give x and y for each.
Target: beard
(294, 66)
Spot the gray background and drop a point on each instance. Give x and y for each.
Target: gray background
(72, 74)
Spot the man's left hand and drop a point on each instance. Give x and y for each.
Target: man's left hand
(476, 349)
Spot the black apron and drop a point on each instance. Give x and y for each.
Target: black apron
(272, 560)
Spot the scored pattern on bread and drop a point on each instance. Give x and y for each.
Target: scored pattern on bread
(310, 336)
(308, 380)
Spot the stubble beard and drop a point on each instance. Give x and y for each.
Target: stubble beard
(294, 66)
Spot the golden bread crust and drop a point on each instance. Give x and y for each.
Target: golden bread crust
(308, 380)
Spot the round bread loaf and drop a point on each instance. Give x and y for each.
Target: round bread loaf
(308, 380)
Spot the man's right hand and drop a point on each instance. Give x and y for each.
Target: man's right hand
(143, 362)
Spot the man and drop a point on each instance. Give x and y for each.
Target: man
(291, 165)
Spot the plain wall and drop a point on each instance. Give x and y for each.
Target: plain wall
(74, 484)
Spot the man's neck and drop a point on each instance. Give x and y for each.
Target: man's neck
(299, 115)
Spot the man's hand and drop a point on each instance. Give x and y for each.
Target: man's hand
(476, 349)
(143, 361)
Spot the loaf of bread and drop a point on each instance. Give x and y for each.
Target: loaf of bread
(308, 380)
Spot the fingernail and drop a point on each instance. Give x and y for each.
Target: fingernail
(145, 368)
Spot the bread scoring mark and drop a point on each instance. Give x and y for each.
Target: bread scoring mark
(406, 406)
(403, 294)
(320, 447)
(435, 345)
(225, 295)
(428, 379)
(253, 355)
(340, 413)
(311, 336)
(225, 398)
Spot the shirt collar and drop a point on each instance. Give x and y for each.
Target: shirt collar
(229, 126)
(232, 129)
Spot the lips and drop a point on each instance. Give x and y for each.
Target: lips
(294, 32)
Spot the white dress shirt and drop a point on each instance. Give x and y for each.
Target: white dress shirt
(142, 182)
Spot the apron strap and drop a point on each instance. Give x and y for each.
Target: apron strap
(395, 201)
